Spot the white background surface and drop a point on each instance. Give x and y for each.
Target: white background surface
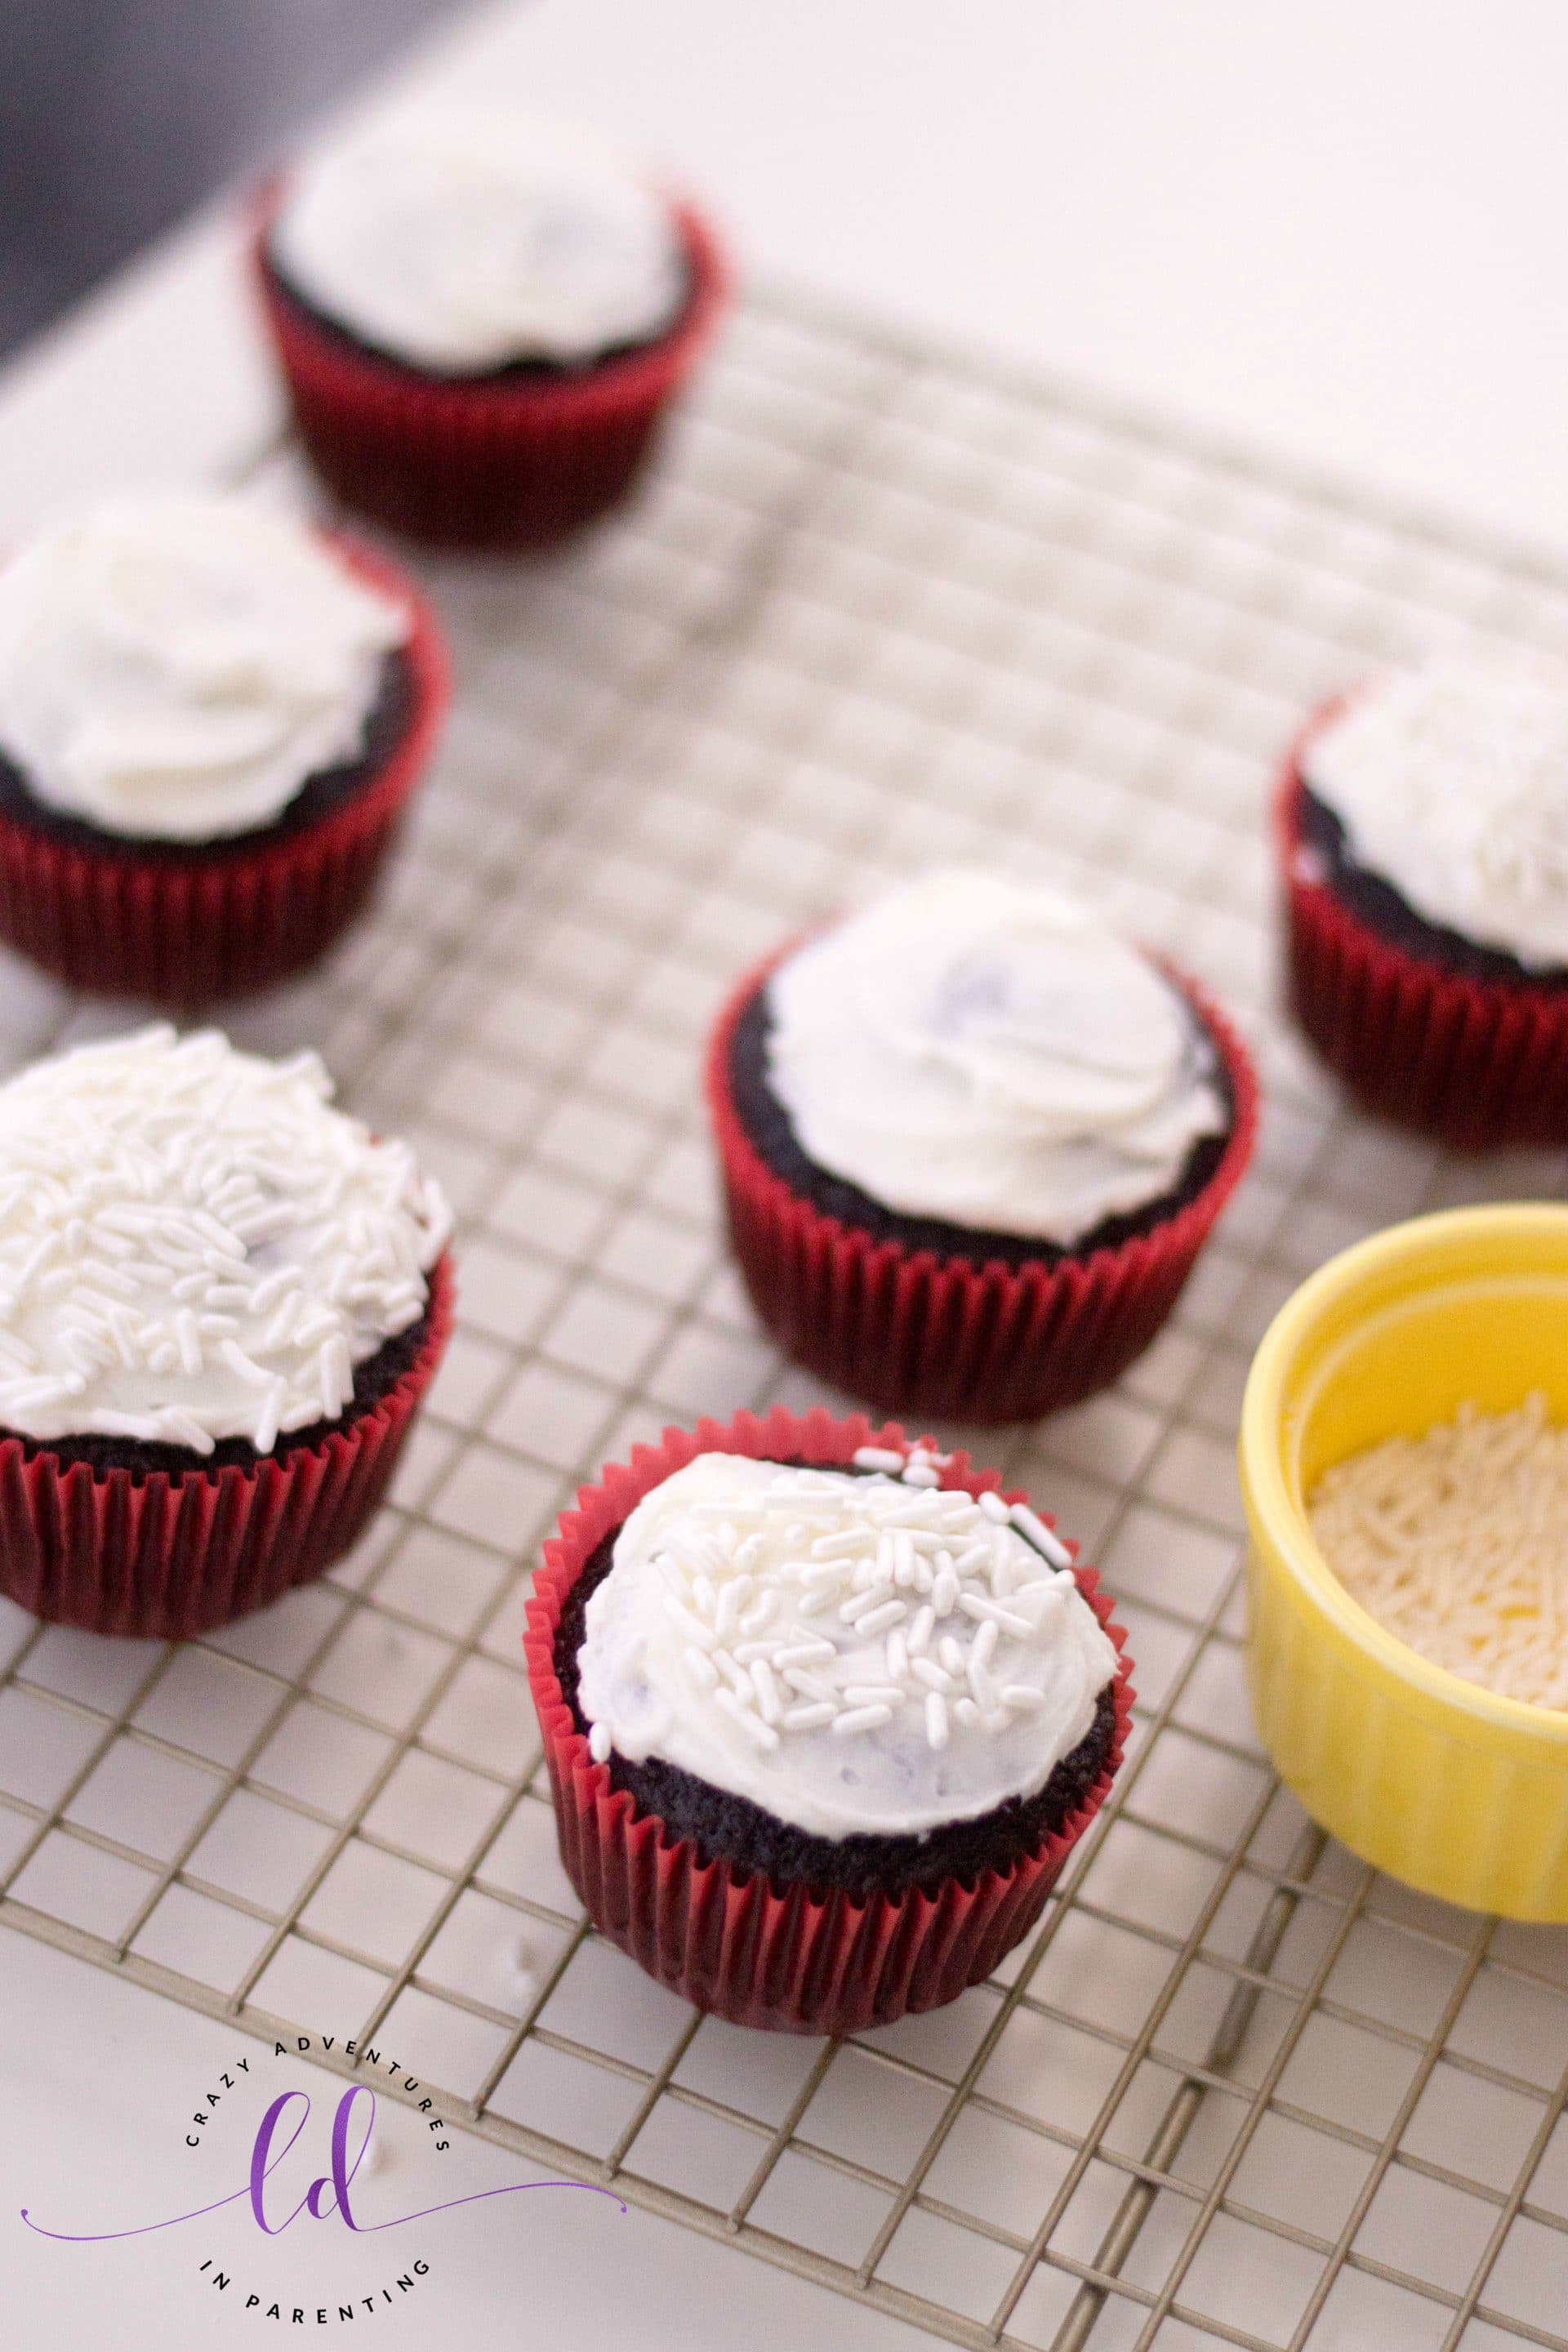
(1332, 229)
(1327, 226)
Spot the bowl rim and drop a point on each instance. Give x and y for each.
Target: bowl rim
(1274, 1518)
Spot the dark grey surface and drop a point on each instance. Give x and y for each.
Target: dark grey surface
(118, 116)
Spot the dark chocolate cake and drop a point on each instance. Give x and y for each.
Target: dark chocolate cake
(1385, 909)
(772, 1132)
(329, 789)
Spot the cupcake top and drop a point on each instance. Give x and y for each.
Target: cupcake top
(987, 1052)
(853, 1654)
(177, 668)
(465, 240)
(195, 1246)
(1452, 787)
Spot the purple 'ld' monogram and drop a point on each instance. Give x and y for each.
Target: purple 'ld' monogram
(326, 2196)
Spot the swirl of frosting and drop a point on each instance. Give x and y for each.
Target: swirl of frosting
(194, 1244)
(1452, 786)
(177, 668)
(870, 1653)
(462, 240)
(986, 1053)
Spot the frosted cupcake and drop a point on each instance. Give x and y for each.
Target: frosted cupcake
(972, 1143)
(1423, 830)
(482, 320)
(221, 1301)
(210, 723)
(824, 1715)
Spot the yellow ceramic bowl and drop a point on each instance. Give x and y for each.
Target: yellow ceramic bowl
(1448, 1786)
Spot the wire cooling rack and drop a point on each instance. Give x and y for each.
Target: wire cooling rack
(878, 609)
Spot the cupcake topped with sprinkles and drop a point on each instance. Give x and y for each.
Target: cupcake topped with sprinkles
(196, 1247)
(860, 1655)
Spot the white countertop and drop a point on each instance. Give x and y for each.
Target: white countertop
(1326, 227)
(1327, 230)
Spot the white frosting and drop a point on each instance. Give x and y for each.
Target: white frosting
(852, 1653)
(178, 668)
(976, 1050)
(194, 1245)
(1452, 785)
(461, 240)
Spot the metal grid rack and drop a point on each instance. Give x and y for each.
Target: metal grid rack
(879, 608)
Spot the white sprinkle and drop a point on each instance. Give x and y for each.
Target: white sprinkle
(922, 1630)
(599, 1743)
(968, 1713)
(1033, 1530)
(919, 1475)
(951, 1653)
(861, 1605)
(810, 1717)
(936, 1719)
(861, 1718)
(761, 1734)
(878, 1457)
(691, 1626)
(767, 1690)
(991, 1503)
(701, 1667)
(841, 1544)
(728, 1610)
(992, 1612)
(933, 1677)
(891, 1614)
(944, 1593)
(804, 1653)
(808, 1685)
(1022, 1698)
(763, 1612)
(983, 1644)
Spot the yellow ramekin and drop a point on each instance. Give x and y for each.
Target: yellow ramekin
(1455, 1790)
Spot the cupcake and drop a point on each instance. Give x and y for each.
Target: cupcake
(824, 1715)
(971, 1142)
(221, 1301)
(1423, 831)
(210, 721)
(482, 320)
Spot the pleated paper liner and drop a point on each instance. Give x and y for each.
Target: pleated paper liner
(167, 1556)
(1475, 1062)
(188, 931)
(730, 1940)
(502, 463)
(944, 1338)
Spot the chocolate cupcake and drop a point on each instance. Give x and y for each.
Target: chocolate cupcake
(972, 1143)
(824, 1715)
(482, 320)
(210, 721)
(221, 1301)
(1423, 827)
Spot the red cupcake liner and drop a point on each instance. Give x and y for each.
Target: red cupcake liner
(497, 463)
(726, 1939)
(1475, 1062)
(167, 1557)
(186, 930)
(917, 1333)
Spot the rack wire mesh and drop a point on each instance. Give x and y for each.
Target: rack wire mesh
(881, 607)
